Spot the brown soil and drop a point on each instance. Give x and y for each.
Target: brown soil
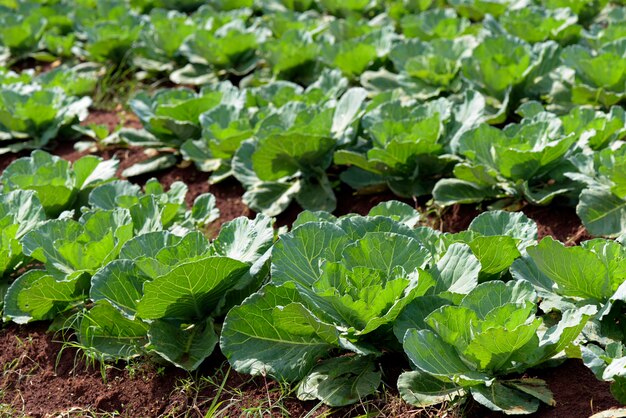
(348, 201)
(576, 390)
(578, 394)
(7, 159)
(39, 382)
(561, 223)
(458, 217)
(41, 378)
(112, 119)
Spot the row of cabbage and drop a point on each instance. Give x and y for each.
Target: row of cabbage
(472, 310)
(280, 141)
(131, 272)
(37, 109)
(241, 36)
(507, 49)
(70, 231)
(286, 143)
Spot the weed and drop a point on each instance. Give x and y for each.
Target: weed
(432, 216)
(216, 404)
(22, 343)
(17, 370)
(77, 412)
(115, 87)
(85, 355)
(9, 411)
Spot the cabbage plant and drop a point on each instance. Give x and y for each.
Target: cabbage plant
(602, 202)
(291, 150)
(521, 161)
(600, 75)
(31, 115)
(339, 285)
(568, 278)
(58, 184)
(471, 348)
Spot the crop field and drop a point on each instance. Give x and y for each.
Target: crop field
(298, 208)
